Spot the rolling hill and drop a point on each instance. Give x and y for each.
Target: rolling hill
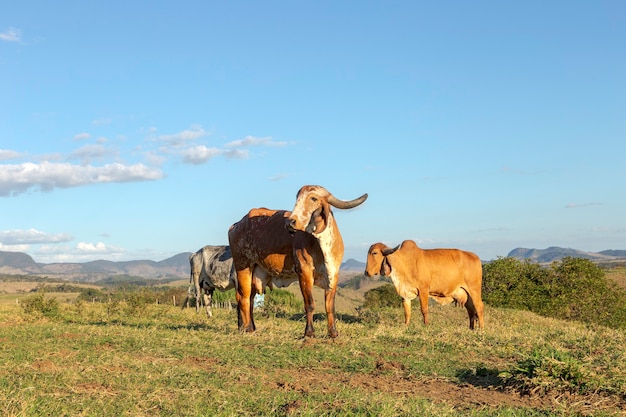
(555, 253)
(176, 267)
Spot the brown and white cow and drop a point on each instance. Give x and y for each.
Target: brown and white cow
(278, 247)
(444, 274)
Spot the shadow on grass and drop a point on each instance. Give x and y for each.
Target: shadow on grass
(119, 322)
(344, 318)
(482, 377)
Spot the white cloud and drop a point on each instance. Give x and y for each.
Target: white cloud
(199, 154)
(46, 176)
(8, 154)
(82, 136)
(14, 248)
(11, 35)
(31, 236)
(254, 141)
(237, 154)
(178, 139)
(91, 248)
(90, 152)
(81, 252)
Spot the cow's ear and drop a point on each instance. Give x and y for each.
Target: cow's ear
(385, 267)
(320, 217)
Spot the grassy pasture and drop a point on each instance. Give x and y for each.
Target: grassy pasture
(617, 274)
(100, 360)
(12, 291)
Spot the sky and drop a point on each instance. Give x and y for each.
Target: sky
(143, 129)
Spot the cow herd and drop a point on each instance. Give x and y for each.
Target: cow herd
(274, 248)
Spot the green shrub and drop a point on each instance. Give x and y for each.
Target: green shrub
(92, 294)
(39, 305)
(573, 289)
(137, 301)
(281, 302)
(224, 296)
(381, 297)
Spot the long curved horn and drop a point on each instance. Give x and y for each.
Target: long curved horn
(342, 204)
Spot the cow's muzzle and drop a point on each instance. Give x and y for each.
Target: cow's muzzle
(290, 225)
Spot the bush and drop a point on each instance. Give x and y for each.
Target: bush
(573, 289)
(280, 302)
(137, 301)
(224, 296)
(92, 294)
(381, 297)
(39, 305)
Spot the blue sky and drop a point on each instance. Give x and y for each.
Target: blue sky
(139, 130)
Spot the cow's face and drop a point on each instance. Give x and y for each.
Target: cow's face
(311, 212)
(375, 259)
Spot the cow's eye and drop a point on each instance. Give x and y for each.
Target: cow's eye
(314, 199)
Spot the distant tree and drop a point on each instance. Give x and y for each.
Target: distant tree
(93, 294)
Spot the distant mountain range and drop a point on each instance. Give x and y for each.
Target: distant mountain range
(176, 267)
(555, 253)
(17, 263)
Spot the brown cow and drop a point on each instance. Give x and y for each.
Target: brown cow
(277, 247)
(444, 274)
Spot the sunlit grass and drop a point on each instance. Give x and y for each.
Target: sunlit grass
(92, 359)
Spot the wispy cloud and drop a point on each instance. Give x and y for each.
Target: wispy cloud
(11, 35)
(279, 177)
(82, 136)
(254, 141)
(7, 154)
(199, 154)
(237, 154)
(46, 176)
(88, 153)
(102, 121)
(31, 236)
(180, 138)
(581, 205)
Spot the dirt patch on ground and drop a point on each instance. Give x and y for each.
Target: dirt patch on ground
(391, 378)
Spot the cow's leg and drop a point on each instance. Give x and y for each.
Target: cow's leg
(406, 303)
(306, 287)
(480, 311)
(423, 294)
(196, 284)
(244, 306)
(208, 301)
(480, 308)
(329, 298)
(471, 311)
(252, 294)
(477, 308)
